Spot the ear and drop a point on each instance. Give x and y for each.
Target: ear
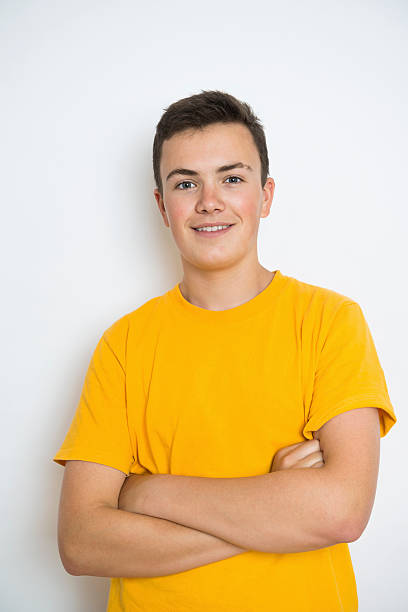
(268, 191)
(162, 209)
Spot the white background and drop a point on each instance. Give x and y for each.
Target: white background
(84, 84)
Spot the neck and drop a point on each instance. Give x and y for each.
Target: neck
(223, 289)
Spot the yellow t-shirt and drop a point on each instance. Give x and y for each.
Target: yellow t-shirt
(173, 388)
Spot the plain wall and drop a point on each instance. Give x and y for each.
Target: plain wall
(84, 84)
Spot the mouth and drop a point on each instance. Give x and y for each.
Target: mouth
(211, 233)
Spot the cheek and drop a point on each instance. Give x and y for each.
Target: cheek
(247, 209)
(177, 215)
(180, 214)
(179, 219)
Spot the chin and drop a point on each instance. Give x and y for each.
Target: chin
(214, 264)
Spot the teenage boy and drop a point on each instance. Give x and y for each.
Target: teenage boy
(218, 400)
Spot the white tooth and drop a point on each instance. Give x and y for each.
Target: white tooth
(212, 229)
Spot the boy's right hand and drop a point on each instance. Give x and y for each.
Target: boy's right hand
(301, 455)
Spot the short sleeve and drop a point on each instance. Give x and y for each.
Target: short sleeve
(99, 430)
(348, 373)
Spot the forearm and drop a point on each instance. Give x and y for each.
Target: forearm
(116, 543)
(282, 512)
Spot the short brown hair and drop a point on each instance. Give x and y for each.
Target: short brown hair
(200, 110)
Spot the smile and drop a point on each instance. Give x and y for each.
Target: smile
(210, 232)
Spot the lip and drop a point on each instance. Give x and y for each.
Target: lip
(212, 224)
(213, 234)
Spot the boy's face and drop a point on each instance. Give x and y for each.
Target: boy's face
(207, 194)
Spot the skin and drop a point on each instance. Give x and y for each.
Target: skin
(221, 272)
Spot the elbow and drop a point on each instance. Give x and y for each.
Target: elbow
(71, 569)
(348, 532)
(74, 547)
(350, 527)
(349, 515)
(355, 526)
(69, 558)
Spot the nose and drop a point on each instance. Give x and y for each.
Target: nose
(209, 199)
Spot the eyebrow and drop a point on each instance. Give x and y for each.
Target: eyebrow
(188, 172)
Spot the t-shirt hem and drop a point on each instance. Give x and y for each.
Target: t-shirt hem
(76, 454)
(386, 413)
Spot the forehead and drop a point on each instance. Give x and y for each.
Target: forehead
(210, 147)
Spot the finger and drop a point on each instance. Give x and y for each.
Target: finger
(310, 459)
(305, 449)
(317, 456)
(317, 462)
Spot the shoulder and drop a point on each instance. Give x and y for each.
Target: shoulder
(139, 316)
(316, 302)
(135, 322)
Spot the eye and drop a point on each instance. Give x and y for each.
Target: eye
(183, 183)
(234, 177)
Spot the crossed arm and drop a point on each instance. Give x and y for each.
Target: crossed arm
(285, 511)
(161, 524)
